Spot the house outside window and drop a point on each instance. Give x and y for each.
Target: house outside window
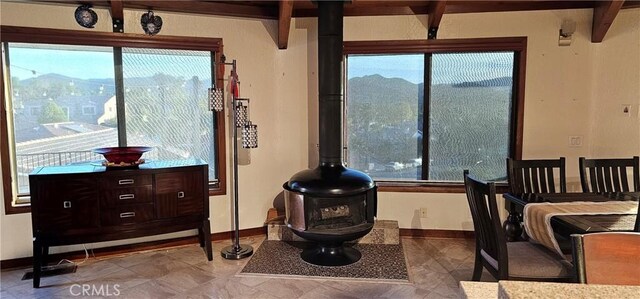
(89, 110)
(418, 113)
(166, 106)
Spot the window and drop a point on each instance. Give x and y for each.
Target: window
(423, 111)
(137, 92)
(33, 111)
(89, 110)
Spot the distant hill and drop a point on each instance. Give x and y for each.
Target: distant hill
(55, 85)
(469, 125)
(375, 88)
(495, 82)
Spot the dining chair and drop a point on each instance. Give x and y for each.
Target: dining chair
(535, 176)
(512, 260)
(607, 258)
(609, 175)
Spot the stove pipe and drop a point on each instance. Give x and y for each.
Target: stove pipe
(330, 204)
(330, 178)
(330, 24)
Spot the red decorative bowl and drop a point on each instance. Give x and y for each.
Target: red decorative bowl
(122, 155)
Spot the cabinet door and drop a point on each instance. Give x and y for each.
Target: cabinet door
(179, 193)
(66, 204)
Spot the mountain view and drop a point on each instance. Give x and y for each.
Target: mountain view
(468, 128)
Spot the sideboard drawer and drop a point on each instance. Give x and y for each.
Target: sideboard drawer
(126, 181)
(126, 196)
(128, 214)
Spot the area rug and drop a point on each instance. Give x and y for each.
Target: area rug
(381, 262)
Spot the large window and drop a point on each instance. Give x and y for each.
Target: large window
(65, 98)
(423, 111)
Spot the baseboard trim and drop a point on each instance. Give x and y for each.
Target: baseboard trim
(128, 248)
(436, 233)
(256, 231)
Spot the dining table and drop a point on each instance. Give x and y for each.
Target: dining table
(565, 225)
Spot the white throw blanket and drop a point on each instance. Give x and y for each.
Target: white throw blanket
(537, 216)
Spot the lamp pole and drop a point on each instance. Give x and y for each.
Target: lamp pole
(236, 251)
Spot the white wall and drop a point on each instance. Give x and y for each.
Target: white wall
(616, 82)
(564, 90)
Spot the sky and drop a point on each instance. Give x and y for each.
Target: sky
(29, 61)
(84, 62)
(448, 68)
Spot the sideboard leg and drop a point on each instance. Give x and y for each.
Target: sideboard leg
(37, 262)
(45, 255)
(200, 237)
(205, 235)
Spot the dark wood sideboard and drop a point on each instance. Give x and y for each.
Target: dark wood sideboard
(76, 204)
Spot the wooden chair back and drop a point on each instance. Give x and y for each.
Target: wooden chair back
(607, 258)
(609, 175)
(535, 176)
(486, 222)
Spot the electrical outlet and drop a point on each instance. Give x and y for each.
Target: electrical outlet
(423, 212)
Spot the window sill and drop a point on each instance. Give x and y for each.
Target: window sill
(10, 209)
(430, 187)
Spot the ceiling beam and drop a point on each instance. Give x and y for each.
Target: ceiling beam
(494, 6)
(284, 22)
(436, 10)
(631, 4)
(257, 10)
(603, 15)
(117, 15)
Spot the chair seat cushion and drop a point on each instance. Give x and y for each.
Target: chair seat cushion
(528, 260)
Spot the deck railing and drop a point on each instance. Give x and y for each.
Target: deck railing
(26, 163)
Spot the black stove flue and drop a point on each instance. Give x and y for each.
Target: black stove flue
(330, 204)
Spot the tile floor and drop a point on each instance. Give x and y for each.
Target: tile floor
(435, 268)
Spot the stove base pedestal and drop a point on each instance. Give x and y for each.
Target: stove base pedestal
(331, 255)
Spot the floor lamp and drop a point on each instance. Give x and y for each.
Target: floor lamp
(241, 121)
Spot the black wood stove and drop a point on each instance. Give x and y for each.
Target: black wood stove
(330, 204)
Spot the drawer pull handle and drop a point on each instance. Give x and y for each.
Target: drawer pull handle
(181, 194)
(125, 182)
(127, 196)
(127, 214)
(66, 204)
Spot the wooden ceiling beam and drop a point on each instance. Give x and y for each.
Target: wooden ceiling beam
(117, 15)
(436, 10)
(495, 6)
(306, 8)
(284, 22)
(603, 15)
(209, 8)
(631, 4)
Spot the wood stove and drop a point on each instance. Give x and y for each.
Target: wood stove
(330, 204)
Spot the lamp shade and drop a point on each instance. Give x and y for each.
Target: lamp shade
(216, 99)
(250, 135)
(241, 115)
